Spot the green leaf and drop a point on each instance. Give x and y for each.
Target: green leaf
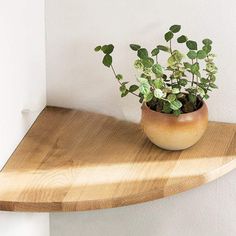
(163, 48)
(175, 58)
(201, 54)
(213, 78)
(175, 91)
(171, 97)
(157, 70)
(142, 80)
(175, 105)
(192, 55)
(183, 82)
(195, 68)
(212, 85)
(155, 51)
(123, 88)
(175, 28)
(108, 49)
(178, 55)
(158, 93)
(148, 97)
(206, 41)
(144, 87)
(168, 36)
(171, 61)
(187, 65)
(207, 48)
(204, 80)
(107, 60)
(135, 47)
(166, 108)
(142, 53)
(119, 77)
(192, 98)
(148, 62)
(133, 88)
(138, 64)
(98, 48)
(177, 112)
(192, 45)
(182, 39)
(158, 83)
(123, 94)
(201, 91)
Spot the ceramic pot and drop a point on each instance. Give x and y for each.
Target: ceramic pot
(174, 132)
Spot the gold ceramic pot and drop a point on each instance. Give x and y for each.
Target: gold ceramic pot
(174, 132)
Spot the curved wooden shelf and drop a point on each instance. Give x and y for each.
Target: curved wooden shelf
(74, 161)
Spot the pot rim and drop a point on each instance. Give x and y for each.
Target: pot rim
(144, 106)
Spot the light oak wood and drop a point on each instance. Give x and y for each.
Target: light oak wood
(74, 161)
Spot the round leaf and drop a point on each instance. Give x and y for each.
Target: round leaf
(192, 98)
(212, 85)
(192, 55)
(108, 49)
(123, 94)
(192, 45)
(177, 112)
(163, 48)
(171, 97)
(201, 54)
(148, 97)
(175, 91)
(135, 47)
(183, 82)
(133, 88)
(182, 39)
(207, 48)
(195, 68)
(201, 92)
(119, 77)
(175, 105)
(144, 86)
(107, 60)
(142, 53)
(175, 28)
(148, 62)
(158, 83)
(166, 108)
(168, 36)
(206, 41)
(155, 51)
(158, 93)
(98, 48)
(157, 70)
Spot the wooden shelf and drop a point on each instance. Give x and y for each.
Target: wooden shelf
(74, 161)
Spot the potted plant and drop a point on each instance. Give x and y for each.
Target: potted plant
(174, 113)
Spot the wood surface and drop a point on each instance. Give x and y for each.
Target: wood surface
(74, 161)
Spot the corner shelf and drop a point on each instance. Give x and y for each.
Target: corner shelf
(74, 160)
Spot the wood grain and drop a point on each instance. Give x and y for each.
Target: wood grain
(74, 160)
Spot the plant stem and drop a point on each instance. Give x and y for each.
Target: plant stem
(171, 48)
(192, 76)
(171, 79)
(114, 72)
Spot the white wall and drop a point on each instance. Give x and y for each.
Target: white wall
(24, 224)
(76, 78)
(22, 76)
